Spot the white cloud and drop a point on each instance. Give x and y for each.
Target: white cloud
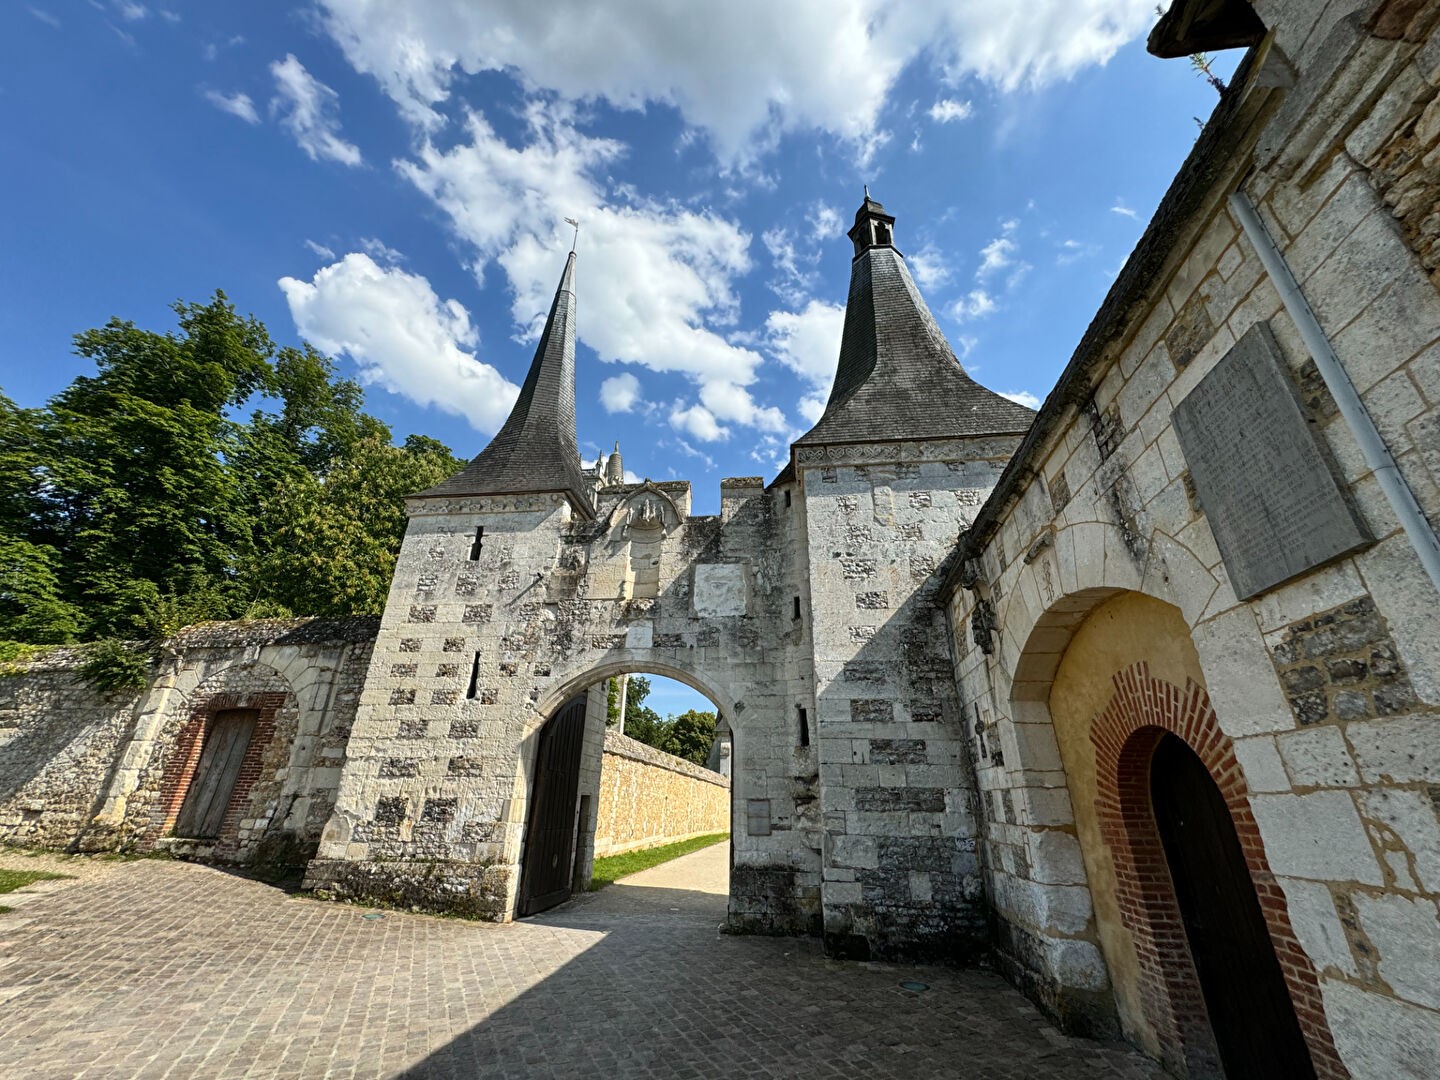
(654, 278)
(825, 222)
(690, 451)
(1022, 397)
(402, 336)
(236, 104)
(928, 267)
(726, 401)
(793, 281)
(620, 393)
(976, 304)
(811, 407)
(1072, 251)
(697, 422)
(946, 110)
(46, 17)
(130, 11)
(742, 87)
(1124, 211)
(808, 341)
(321, 250)
(1000, 252)
(211, 49)
(307, 108)
(380, 251)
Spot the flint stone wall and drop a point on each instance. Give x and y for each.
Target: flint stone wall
(81, 770)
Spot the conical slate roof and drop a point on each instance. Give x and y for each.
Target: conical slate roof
(897, 377)
(536, 450)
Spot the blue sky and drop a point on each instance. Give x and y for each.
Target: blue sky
(389, 179)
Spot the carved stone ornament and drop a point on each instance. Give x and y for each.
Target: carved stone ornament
(647, 514)
(982, 626)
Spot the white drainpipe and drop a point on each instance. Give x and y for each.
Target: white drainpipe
(1357, 417)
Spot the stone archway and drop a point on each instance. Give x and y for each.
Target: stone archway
(1098, 666)
(576, 703)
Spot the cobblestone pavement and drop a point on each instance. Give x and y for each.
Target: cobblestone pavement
(162, 969)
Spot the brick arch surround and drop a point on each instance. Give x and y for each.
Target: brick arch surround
(184, 758)
(1141, 712)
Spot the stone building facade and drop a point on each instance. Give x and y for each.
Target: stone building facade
(806, 611)
(999, 683)
(1192, 545)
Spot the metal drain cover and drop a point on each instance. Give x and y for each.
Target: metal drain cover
(914, 987)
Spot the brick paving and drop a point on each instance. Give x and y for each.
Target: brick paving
(162, 969)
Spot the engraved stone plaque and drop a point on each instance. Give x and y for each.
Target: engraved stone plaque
(1262, 479)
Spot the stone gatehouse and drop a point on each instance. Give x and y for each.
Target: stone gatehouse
(1097, 692)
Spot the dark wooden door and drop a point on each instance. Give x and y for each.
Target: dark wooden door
(550, 832)
(227, 737)
(1245, 994)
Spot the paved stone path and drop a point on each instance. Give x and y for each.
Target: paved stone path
(161, 969)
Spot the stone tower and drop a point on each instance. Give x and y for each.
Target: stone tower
(904, 455)
(615, 468)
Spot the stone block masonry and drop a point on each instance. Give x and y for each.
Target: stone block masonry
(563, 608)
(648, 797)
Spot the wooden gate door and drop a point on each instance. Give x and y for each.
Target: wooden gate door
(227, 737)
(550, 832)
(1245, 994)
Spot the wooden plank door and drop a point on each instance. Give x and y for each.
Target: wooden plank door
(1240, 979)
(227, 737)
(547, 870)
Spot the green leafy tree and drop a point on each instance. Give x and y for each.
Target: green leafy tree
(692, 732)
(138, 494)
(137, 501)
(332, 542)
(688, 735)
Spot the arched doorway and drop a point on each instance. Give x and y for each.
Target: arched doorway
(1251, 1014)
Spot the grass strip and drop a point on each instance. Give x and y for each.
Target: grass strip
(611, 867)
(10, 880)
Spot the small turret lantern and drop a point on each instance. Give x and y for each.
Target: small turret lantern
(873, 226)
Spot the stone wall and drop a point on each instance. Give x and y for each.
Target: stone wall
(60, 741)
(1325, 688)
(81, 770)
(649, 797)
(902, 875)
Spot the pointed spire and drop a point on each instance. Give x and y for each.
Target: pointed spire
(536, 450)
(897, 377)
(615, 468)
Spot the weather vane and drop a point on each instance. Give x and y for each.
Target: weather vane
(576, 240)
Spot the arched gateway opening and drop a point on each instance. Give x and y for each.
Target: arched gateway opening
(594, 790)
(1251, 1015)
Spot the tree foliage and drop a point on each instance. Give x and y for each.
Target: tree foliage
(141, 499)
(687, 736)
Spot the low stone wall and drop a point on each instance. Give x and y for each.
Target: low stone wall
(649, 797)
(59, 743)
(82, 770)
